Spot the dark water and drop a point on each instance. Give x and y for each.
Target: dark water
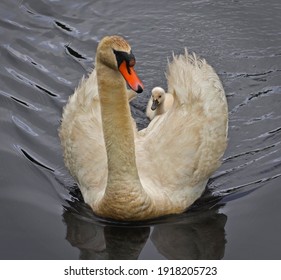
(46, 47)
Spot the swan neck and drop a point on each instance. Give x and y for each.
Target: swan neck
(117, 125)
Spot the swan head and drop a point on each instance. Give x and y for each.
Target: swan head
(158, 97)
(116, 53)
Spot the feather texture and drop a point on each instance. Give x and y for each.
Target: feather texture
(132, 175)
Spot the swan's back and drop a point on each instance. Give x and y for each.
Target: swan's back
(179, 150)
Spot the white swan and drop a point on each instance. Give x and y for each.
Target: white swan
(124, 174)
(159, 103)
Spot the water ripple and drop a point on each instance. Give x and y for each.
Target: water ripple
(20, 123)
(243, 190)
(28, 82)
(35, 161)
(251, 152)
(19, 101)
(264, 92)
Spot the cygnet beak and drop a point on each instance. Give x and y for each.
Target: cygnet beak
(155, 104)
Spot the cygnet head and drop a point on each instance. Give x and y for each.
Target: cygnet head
(158, 97)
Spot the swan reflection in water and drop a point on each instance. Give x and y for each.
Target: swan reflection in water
(191, 235)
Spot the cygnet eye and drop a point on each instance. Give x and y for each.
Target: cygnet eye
(159, 96)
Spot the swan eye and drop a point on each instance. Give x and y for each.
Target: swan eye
(132, 62)
(124, 56)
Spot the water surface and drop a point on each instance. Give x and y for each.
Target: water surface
(45, 49)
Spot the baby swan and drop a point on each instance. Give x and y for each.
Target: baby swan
(159, 103)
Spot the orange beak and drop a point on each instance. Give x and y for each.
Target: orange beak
(131, 77)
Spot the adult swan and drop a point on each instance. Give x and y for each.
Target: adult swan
(125, 174)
